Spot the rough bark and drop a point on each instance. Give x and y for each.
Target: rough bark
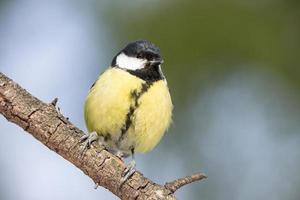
(51, 128)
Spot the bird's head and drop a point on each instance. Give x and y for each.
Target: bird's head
(137, 56)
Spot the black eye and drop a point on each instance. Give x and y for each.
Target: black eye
(139, 55)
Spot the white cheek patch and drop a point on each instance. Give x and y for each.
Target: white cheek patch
(131, 63)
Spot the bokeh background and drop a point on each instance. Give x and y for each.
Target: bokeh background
(233, 72)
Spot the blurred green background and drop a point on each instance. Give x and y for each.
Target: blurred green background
(232, 69)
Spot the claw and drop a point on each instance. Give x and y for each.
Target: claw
(120, 154)
(88, 139)
(84, 137)
(128, 172)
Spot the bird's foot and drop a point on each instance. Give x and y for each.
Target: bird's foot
(128, 172)
(120, 154)
(88, 139)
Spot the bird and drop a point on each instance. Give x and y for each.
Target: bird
(129, 108)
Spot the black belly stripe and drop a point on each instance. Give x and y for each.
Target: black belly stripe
(135, 95)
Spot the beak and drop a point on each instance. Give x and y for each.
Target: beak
(156, 61)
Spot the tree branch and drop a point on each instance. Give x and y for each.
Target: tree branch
(175, 185)
(55, 131)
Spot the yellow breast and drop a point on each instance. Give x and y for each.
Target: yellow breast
(114, 97)
(152, 117)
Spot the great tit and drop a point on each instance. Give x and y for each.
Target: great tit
(129, 108)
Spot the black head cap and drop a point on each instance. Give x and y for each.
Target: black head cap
(141, 49)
